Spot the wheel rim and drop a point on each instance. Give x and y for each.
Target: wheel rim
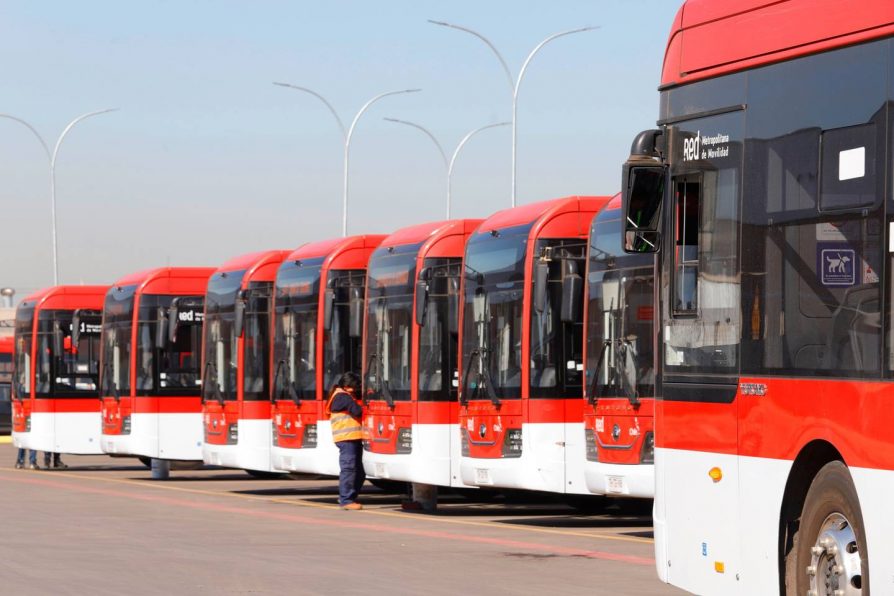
(834, 568)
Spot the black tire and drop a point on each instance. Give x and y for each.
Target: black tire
(831, 497)
(266, 475)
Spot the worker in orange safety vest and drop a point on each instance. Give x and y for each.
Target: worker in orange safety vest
(345, 411)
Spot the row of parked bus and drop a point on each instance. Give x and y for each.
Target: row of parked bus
(511, 352)
(744, 278)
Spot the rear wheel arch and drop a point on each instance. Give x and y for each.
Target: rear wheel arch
(807, 464)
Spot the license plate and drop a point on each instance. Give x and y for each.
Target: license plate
(615, 484)
(380, 470)
(482, 476)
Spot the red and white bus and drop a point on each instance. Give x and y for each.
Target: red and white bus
(619, 363)
(6, 349)
(766, 189)
(236, 362)
(410, 371)
(150, 381)
(56, 370)
(521, 395)
(318, 335)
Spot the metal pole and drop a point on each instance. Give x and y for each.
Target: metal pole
(344, 220)
(518, 81)
(53, 182)
(513, 84)
(341, 124)
(459, 147)
(51, 159)
(346, 136)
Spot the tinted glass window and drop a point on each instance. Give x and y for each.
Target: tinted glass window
(438, 335)
(24, 326)
(811, 291)
(295, 329)
(117, 324)
(493, 317)
(219, 368)
(256, 342)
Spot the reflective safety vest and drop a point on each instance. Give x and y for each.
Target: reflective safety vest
(344, 426)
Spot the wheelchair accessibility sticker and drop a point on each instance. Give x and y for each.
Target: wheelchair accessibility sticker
(837, 265)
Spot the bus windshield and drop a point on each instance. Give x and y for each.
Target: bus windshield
(22, 350)
(219, 373)
(438, 337)
(256, 342)
(391, 281)
(620, 319)
(295, 329)
(117, 324)
(171, 367)
(64, 369)
(492, 316)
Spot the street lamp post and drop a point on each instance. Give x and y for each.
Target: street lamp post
(448, 163)
(515, 84)
(347, 136)
(51, 157)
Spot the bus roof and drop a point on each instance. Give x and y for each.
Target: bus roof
(711, 38)
(258, 266)
(169, 280)
(340, 253)
(558, 217)
(433, 234)
(68, 297)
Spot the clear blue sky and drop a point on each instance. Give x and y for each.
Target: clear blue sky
(208, 160)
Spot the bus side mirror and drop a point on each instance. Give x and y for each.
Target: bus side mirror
(58, 340)
(355, 312)
(161, 331)
(239, 312)
(328, 308)
(541, 277)
(422, 295)
(453, 304)
(75, 329)
(572, 293)
(478, 305)
(641, 200)
(173, 321)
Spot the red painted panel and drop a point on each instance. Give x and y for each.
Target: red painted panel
(382, 424)
(633, 424)
(66, 405)
(694, 426)
(714, 38)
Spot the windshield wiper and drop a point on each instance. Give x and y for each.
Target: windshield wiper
(484, 375)
(287, 386)
(615, 376)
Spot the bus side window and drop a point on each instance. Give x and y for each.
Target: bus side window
(687, 194)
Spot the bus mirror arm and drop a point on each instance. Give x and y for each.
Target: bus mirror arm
(541, 276)
(239, 312)
(76, 329)
(421, 301)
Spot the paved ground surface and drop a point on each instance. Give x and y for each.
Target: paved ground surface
(103, 527)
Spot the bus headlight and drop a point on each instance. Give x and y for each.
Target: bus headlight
(464, 442)
(309, 439)
(233, 434)
(404, 441)
(590, 440)
(125, 426)
(512, 443)
(647, 455)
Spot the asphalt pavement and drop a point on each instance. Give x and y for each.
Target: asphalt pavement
(104, 527)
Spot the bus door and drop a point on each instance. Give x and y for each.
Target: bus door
(700, 294)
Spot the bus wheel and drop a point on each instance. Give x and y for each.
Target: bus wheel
(828, 554)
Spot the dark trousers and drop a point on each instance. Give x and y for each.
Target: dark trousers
(351, 476)
(32, 457)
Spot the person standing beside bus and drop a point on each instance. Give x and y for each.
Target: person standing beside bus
(346, 415)
(32, 459)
